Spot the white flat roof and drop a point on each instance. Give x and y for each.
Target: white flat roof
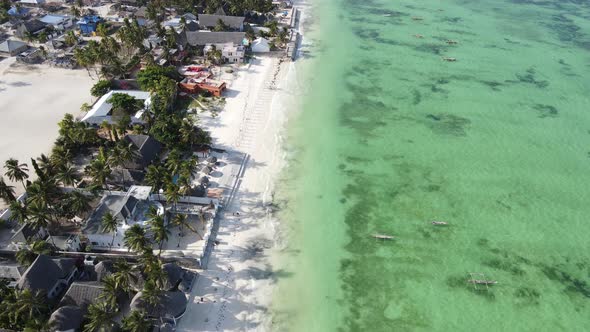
(100, 110)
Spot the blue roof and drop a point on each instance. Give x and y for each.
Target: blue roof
(90, 19)
(53, 19)
(13, 12)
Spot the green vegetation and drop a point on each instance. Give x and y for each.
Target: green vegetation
(100, 88)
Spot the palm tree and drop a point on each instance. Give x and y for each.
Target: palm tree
(18, 212)
(77, 202)
(155, 177)
(45, 165)
(16, 171)
(156, 274)
(6, 191)
(151, 293)
(99, 171)
(38, 215)
(67, 175)
(137, 321)
(110, 224)
(124, 276)
(172, 194)
(106, 126)
(181, 220)
(29, 307)
(161, 232)
(135, 238)
(26, 256)
(100, 317)
(111, 292)
(43, 191)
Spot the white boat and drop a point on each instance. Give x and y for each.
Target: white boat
(383, 237)
(439, 223)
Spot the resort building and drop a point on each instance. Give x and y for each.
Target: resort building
(58, 22)
(194, 85)
(74, 306)
(49, 275)
(102, 109)
(203, 38)
(148, 150)
(65, 242)
(230, 52)
(13, 47)
(260, 45)
(11, 272)
(171, 306)
(31, 27)
(233, 23)
(89, 23)
(129, 208)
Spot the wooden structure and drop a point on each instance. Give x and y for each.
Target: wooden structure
(196, 85)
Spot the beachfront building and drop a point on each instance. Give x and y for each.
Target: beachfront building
(11, 272)
(232, 23)
(49, 275)
(171, 306)
(195, 85)
(13, 47)
(219, 39)
(230, 52)
(30, 27)
(32, 3)
(260, 45)
(129, 208)
(88, 24)
(102, 110)
(74, 305)
(148, 150)
(58, 22)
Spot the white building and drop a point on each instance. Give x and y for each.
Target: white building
(129, 208)
(260, 45)
(230, 52)
(58, 22)
(102, 109)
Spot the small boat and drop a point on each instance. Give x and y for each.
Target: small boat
(447, 59)
(452, 42)
(440, 223)
(482, 282)
(387, 15)
(418, 35)
(383, 237)
(416, 18)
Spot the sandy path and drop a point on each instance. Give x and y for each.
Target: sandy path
(237, 286)
(33, 99)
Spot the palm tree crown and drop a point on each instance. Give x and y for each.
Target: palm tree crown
(16, 171)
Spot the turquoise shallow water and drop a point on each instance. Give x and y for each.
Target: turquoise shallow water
(391, 137)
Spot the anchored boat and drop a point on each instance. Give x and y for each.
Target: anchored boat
(439, 223)
(382, 237)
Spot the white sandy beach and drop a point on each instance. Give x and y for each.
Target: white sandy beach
(33, 99)
(237, 286)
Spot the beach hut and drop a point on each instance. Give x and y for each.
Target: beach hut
(260, 45)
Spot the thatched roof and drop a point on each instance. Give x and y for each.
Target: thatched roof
(66, 318)
(171, 304)
(103, 269)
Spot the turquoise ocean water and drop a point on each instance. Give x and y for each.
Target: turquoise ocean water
(391, 137)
